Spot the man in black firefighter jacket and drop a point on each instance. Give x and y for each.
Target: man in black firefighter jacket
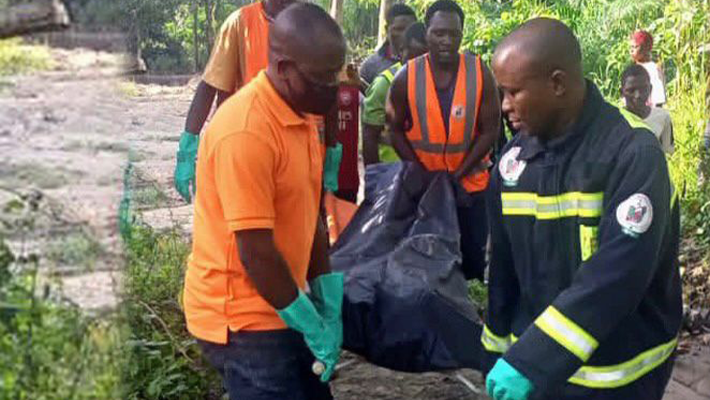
(585, 292)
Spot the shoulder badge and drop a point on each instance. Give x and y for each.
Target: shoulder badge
(510, 167)
(635, 214)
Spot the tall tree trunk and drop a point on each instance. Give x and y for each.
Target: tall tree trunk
(336, 11)
(382, 27)
(217, 13)
(195, 41)
(208, 23)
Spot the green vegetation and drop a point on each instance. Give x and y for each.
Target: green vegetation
(49, 349)
(681, 28)
(74, 249)
(163, 359)
(17, 58)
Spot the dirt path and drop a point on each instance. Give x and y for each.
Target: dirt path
(71, 132)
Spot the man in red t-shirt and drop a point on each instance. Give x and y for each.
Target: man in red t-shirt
(348, 110)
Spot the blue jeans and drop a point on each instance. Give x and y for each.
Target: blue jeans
(266, 365)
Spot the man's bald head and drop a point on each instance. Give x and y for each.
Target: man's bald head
(306, 54)
(544, 45)
(305, 31)
(539, 70)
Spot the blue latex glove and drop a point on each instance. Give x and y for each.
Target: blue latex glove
(327, 296)
(333, 156)
(505, 383)
(301, 315)
(185, 168)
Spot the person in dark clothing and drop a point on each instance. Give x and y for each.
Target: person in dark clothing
(584, 297)
(399, 18)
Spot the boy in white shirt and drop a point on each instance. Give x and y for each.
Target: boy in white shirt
(641, 46)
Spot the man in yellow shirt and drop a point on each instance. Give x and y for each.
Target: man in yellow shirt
(257, 236)
(238, 55)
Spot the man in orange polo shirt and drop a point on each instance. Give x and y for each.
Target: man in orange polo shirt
(238, 55)
(257, 236)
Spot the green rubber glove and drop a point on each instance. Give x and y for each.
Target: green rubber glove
(301, 315)
(185, 167)
(505, 383)
(333, 156)
(327, 296)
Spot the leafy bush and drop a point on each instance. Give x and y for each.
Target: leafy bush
(164, 361)
(49, 349)
(17, 58)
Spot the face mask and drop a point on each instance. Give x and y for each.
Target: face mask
(317, 98)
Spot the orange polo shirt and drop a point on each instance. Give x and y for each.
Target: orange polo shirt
(241, 50)
(259, 166)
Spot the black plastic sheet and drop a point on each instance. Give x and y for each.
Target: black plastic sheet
(406, 304)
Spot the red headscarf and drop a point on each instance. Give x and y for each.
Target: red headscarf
(643, 39)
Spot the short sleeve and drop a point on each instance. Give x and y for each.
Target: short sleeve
(374, 105)
(222, 69)
(244, 179)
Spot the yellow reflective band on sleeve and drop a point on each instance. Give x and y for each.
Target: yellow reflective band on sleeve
(573, 204)
(588, 240)
(614, 376)
(568, 334)
(609, 377)
(494, 343)
(389, 72)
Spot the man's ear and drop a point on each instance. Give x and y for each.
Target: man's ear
(558, 80)
(282, 65)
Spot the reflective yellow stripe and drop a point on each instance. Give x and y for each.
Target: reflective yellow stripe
(622, 374)
(568, 334)
(494, 343)
(389, 72)
(614, 376)
(588, 240)
(573, 204)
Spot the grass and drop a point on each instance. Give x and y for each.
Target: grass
(18, 175)
(164, 360)
(112, 147)
(74, 249)
(50, 349)
(128, 89)
(18, 58)
(150, 197)
(5, 86)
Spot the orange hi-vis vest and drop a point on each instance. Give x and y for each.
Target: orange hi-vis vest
(437, 149)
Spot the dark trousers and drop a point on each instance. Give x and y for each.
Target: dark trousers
(473, 225)
(347, 195)
(651, 386)
(266, 365)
